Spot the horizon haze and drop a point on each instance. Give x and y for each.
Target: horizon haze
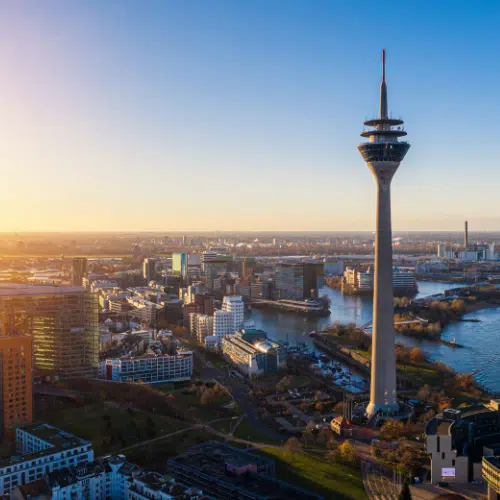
(193, 116)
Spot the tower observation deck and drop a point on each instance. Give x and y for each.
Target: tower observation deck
(383, 153)
(383, 132)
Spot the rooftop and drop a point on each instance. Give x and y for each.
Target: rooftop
(8, 289)
(212, 459)
(56, 438)
(494, 461)
(34, 489)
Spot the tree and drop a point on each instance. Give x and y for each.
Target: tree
(308, 433)
(405, 493)
(423, 393)
(347, 452)
(206, 397)
(416, 355)
(392, 429)
(293, 445)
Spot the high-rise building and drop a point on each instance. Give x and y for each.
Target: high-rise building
(79, 270)
(149, 269)
(16, 383)
(63, 323)
(466, 235)
(180, 264)
(248, 265)
(383, 154)
(235, 304)
(299, 280)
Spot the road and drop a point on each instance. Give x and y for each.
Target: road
(240, 392)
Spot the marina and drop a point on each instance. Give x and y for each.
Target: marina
(480, 339)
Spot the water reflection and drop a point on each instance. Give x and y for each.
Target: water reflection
(481, 353)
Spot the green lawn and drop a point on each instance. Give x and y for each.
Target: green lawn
(155, 455)
(313, 473)
(111, 429)
(425, 373)
(246, 431)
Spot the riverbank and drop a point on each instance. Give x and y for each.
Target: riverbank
(481, 340)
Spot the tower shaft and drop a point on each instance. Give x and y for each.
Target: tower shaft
(383, 366)
(383, 155)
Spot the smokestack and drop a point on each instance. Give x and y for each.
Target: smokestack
(466, 235)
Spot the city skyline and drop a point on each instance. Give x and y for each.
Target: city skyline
(112, 114)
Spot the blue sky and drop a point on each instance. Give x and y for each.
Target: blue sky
(194, 115)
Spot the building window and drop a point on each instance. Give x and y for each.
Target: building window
(442, 455)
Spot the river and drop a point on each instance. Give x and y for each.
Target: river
(481, 341)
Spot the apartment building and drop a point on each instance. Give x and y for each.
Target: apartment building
(41, 449)
(16, 383)
(151, 369)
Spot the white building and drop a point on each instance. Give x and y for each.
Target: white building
(145, 310)
(212, 343)
(201, 326)
(253, 353)
(41, 449)
(110, 478)
(150, 369)
(235, 304)
(223, 323)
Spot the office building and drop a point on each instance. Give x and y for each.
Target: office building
(151, 369)
(248, 265)
(229, 473)
(457, 439)
(63, 324)
(223, 323)
(361, 281)
(253, 353)
(333, 267)
(201, 326)
(235, 304)
(180, 264)
(206, 303)
(79, 270)
(144, 310)
(299, 280)
(16, 384)
(383, 154)
(261, 289)
(149, 269)
(41, 449)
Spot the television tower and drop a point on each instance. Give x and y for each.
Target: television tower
(383, 154)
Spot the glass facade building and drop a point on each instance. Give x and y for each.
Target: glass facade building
(180, 264)
(63, 325)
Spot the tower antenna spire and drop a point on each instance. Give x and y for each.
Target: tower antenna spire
(383, 91)
(383, 65)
